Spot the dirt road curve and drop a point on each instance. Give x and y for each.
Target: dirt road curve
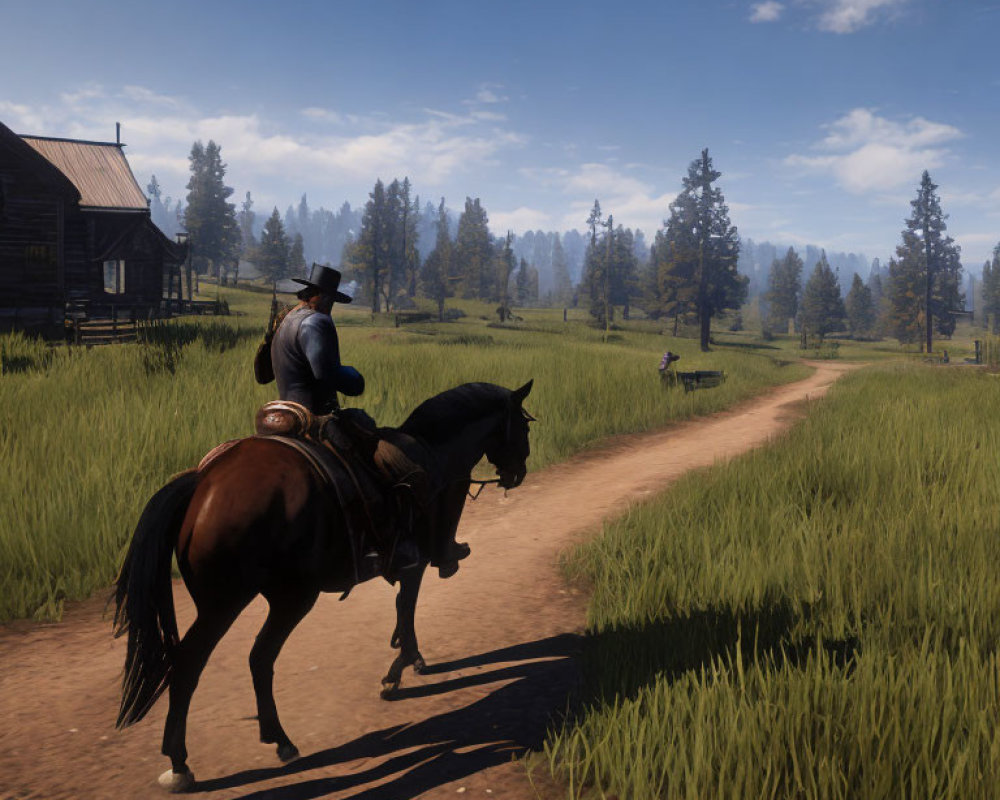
(499, 637)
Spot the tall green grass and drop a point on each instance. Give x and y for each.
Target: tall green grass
(818, 619)
(88, 435)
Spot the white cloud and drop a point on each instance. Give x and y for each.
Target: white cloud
(323, 115)
(634, 203)
(488, 116)
(520, 220)
(259, 152)
(866, 152)
(848, 16)
(140, 94)
(488, 94)
(768, 11)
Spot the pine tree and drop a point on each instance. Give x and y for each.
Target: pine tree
(438, 265)
(369, 257)
(296, 256)
(904, 313)
(822, 306)
(929, 257)
(273, 251)
(245, 219)
(624, 270)
(991, 291)
(209, 219)
(474, 252)
(598, 268)
(563, 285)
(784, 290)
(523, 284)
(158, 211)
(505, 264)
(701, 249)
(411, 239)
(304, 227)
(673, 272)
(860, 309)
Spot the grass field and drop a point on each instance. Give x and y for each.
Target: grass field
(818, 619)
(89, 435)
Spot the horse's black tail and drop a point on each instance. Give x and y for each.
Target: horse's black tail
(145, 602)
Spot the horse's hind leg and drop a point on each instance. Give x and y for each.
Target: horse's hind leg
(405, 635)
(286, 611)
(190, 659)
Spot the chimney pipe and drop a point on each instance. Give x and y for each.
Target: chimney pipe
(118, 134)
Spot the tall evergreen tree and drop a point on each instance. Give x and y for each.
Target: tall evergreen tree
(597, 281)
(860, 308)
(523, 283)
(991, 292)
(505, 264)
(370, 255)
(273, 251)
(702, 248)
(437, 270)
(563, 285)
(296, 256)
(474, 252)
(934, 259)
(822, 306)
(245, 219)
(784, 289)
(209, 219)
(903, 315)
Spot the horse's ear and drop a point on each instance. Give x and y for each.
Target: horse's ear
(518, 395)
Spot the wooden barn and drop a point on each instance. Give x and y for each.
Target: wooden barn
(76, 237)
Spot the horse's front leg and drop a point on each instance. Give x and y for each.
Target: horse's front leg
(405, 635)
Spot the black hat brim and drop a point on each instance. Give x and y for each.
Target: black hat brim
(339, 297)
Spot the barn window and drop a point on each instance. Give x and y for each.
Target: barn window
(114, 276)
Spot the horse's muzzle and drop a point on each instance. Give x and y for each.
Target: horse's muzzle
(511, 480)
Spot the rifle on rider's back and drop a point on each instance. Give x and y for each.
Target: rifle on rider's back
(263, 371)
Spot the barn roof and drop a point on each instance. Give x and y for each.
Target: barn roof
(98, 170)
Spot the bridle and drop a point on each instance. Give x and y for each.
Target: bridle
(483, 484)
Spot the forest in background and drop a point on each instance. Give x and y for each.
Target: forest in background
(400, 246)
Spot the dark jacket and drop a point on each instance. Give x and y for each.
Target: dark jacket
(305, 355)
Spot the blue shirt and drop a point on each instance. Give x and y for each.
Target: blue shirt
(305, 355)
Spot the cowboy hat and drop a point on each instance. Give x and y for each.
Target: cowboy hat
(327, 280)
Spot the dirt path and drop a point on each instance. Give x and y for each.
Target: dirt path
(499, 637)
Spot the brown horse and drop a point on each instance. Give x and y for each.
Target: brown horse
(258, 520)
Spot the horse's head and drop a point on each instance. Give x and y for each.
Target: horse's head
(508, 448)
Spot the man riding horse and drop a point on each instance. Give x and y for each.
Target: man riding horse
(305, 356)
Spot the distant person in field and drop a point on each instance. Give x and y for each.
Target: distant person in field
(305, 352)
(668, 359)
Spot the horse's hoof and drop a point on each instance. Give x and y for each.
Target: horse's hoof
(388, 689)
(176, 782)
(287, 752)
(419, 665)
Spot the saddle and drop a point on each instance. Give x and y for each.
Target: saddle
(378, 486)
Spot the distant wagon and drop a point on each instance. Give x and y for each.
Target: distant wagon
(698, 379)
(76, 237)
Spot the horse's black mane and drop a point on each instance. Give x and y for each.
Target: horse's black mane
(455, 407)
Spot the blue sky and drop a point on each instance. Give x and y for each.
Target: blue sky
(821, 114)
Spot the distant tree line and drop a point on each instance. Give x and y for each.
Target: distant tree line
(917, 296)
(695, 270)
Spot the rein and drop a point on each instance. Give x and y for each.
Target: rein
(482, 485)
